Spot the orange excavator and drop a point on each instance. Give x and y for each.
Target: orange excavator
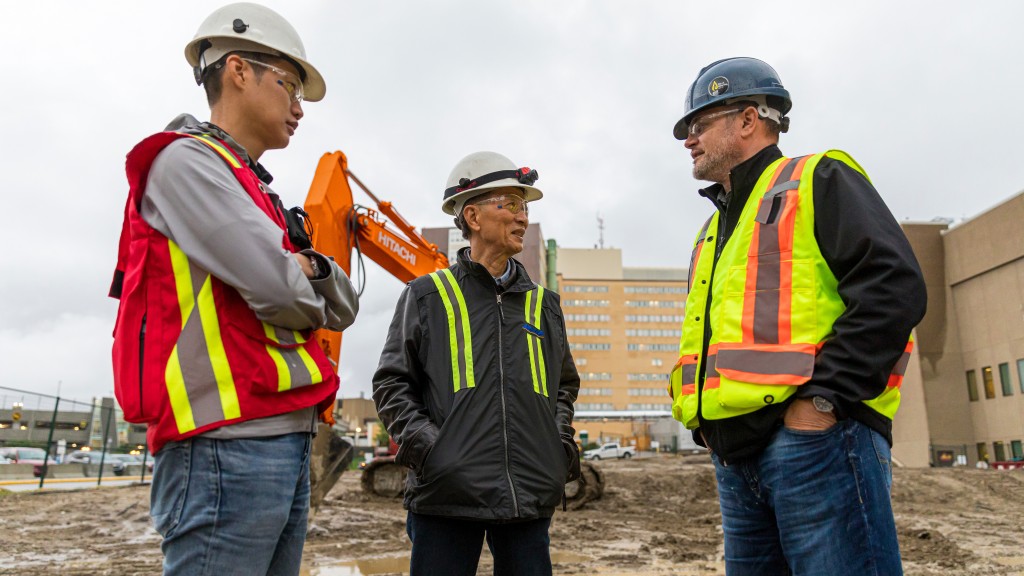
(339, 227)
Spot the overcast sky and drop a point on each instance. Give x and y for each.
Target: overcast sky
(923, 94)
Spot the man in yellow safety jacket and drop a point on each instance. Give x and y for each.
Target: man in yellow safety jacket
(803, 295)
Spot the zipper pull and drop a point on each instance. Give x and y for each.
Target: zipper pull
(501, 310)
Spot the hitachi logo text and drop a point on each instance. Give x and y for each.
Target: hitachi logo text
(396, 247)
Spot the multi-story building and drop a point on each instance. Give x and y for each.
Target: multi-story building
(971, 342)
(623, 326)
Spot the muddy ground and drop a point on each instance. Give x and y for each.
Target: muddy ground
(657, 516)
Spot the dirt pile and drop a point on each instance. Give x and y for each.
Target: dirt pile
(657, 516)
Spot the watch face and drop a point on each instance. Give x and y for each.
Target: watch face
(822, 405)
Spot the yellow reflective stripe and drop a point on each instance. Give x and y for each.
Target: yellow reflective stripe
(540, 348)
(218, 356)
(529, 346)
(284, 377)
(314, 371)
(452, 342)
(219, 149)
(467, 337)
(174, 380)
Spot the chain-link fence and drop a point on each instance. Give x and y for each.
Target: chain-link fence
(60, 440)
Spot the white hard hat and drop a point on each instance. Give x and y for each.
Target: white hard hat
(482, 171)
(252, 28)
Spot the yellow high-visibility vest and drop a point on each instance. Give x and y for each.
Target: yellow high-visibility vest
(774, 300)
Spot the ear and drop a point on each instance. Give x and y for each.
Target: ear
(234, 69)
(471, 215)
(750, 122)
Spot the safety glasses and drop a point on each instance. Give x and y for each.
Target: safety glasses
(699, 126)
(290, 82)
(511, 203)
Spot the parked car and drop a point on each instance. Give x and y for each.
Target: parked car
(612, 450)
(24, 455)
(121, 464)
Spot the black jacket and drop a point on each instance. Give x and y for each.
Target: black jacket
(496, 451)
(879, 281)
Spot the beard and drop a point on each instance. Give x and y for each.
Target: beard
(718, 159)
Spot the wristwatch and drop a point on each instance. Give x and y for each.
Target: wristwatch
(822, 405)
(314, 263)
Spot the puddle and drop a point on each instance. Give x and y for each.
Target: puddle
(400, 564)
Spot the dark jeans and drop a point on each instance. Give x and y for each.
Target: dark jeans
(451, 547)
(813, 503)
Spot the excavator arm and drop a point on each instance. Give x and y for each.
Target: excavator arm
(340, 226)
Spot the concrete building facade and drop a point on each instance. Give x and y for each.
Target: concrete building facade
(971, 341)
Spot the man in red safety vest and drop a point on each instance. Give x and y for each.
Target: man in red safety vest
(213, 345)
(803, 295)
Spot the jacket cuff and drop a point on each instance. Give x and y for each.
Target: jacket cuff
(413, 451)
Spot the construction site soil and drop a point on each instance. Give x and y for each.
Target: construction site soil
(658, 515)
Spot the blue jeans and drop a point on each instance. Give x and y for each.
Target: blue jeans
(444, 546)
(232, 506)
(811, 503)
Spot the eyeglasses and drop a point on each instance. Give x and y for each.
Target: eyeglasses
(511, 203)
(699, 126)
(291, 83)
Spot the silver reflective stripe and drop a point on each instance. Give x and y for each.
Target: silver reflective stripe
(768, 363)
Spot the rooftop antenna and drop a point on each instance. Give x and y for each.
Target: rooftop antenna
(600, 231)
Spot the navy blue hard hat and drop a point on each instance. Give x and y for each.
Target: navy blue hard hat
(726, 80)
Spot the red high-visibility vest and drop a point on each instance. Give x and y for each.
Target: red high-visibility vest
(189, 354)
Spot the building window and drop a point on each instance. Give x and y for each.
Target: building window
(654, 333)
(655, 361)
(665, 406)
(652, 347)
(591, 376)
(581, 361)
(1000, 451)
(587, 317)
(654, 290)
(580, 406)
(990, 385)
(1017, 449)
(648, 392)
(595, 303)
(675, 319)
(647, 377)
(589, 346)
(582, 288)
(982, 452)
(1020, 374)
(655, 304)
(595, 392)
(1004, 379)
(972, 386)
(588, 332)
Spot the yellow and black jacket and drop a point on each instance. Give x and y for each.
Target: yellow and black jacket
(476, 385)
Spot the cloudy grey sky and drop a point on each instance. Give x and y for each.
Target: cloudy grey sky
(922, 94)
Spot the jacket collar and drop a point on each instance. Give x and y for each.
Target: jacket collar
(518, 282)
(190, 125)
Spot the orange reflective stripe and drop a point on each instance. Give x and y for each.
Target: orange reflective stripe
(712, 383)
(900, 369)
(689, 389)
(787, 230)
(769, 284)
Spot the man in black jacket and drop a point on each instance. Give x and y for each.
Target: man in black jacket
(803, 294)
(476, 385)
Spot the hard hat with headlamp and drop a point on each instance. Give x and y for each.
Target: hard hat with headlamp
(247, 27)
(480, 172)
(735, 80)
